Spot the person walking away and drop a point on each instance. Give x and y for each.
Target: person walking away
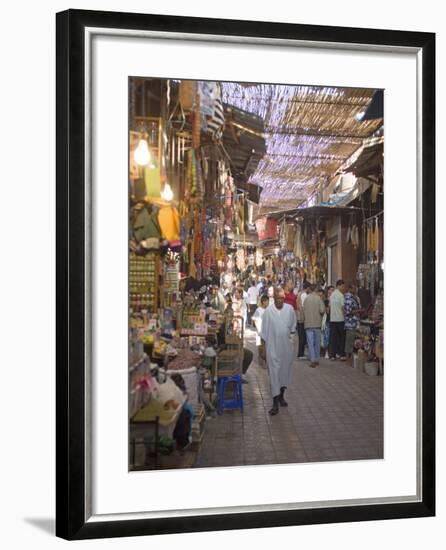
(337, 329)
(325, 329)
(291, 299)
(277, 333)
(257, 321)
(313, 310)
(352, 311)
(300, 322)
(261, 286)
(253, 296)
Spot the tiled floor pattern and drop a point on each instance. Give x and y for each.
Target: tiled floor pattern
(334, 413)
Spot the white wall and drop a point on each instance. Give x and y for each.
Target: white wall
(27, 275)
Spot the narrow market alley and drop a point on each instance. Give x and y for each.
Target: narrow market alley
(334, 413)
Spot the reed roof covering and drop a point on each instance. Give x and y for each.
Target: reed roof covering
(310, 133)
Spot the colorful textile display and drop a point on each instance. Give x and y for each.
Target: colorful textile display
(169, 221)
(266, 228)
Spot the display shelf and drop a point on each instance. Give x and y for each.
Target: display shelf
(144, 282)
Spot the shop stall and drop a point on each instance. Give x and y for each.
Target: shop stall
(203, 169)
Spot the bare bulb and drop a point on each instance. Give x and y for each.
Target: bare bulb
(142, 153)
(167, 192)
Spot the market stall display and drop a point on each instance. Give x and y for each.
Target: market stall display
(204, 228)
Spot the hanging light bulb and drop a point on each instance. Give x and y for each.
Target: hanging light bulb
(167, 193)
(142, 153)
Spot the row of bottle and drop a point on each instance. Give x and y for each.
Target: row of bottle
(142, 265)
(141, 301)
(140, 288)
(142, 277)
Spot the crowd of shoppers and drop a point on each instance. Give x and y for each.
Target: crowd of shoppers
(287, 321)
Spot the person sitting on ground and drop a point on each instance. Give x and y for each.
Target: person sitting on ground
(313, 310)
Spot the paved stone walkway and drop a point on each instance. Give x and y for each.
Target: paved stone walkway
(334, 413)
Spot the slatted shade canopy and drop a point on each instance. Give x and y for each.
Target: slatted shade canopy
(310, 132)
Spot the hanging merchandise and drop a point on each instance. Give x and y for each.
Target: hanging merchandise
(211, 107)
(229, 200)
(322, 258)
(369, 237)
(207, 92)
(188, 91)
(355, 236)
(194, 187)
(152, 179)
(241, 259)
(266, 228)
(259, 257)
(208, 248)
(282, 234)
(290, 237)
(376, 238)
(196, 124)
(374, 193)
(192, 272)
(169, 221)
(298, 242)
(240, 215)
(145, 225)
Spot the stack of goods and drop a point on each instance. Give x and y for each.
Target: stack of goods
(170, 283)
(365, 346)
(186, 359)
(193, 322)
(166, 401)
(142, 282)
(136, 345)
(190, 378)
(141, 384)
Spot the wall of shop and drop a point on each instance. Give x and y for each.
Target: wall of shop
(344, 256)
(334, 241)
(349, 255)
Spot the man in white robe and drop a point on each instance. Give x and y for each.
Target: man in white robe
(278, 329)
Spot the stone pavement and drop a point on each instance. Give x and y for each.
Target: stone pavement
(334, 412)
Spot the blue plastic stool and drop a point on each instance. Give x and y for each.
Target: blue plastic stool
(237, 401)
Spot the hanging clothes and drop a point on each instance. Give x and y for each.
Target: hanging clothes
(298, 242)
(146, 225)
(355, 236)
(169, 221)
(376, 237)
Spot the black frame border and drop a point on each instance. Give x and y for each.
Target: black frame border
(70, 275)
